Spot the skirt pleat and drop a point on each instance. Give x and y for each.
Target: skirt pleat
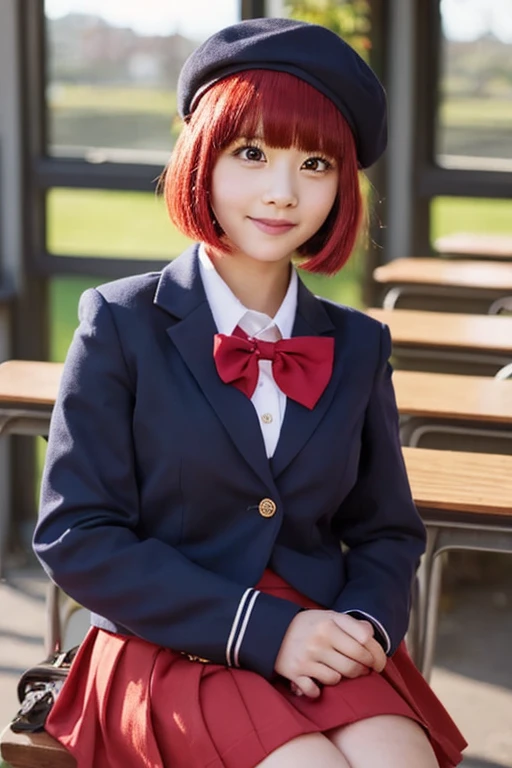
(130, 704)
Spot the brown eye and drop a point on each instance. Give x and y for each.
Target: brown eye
(316, 164)
(253, 154)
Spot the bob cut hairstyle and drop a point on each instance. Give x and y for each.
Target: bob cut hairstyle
(289, 112)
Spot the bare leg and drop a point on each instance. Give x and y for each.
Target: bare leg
(312, 749)
(386, 741)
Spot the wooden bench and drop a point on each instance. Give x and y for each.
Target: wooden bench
(466, 413)
(465, 500)
(444, 285)
(443, 342)
(34, 750)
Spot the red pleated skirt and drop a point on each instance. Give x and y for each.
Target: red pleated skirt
(130, 704)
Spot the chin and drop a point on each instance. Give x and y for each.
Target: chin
(269, 258)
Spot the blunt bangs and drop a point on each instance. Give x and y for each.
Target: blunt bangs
(286, 112)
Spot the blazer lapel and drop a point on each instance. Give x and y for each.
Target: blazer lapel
(299, 422)
(180, 292)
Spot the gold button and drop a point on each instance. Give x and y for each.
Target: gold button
(267, 418)
(267, 508)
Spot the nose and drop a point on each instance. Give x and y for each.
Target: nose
(280, 189)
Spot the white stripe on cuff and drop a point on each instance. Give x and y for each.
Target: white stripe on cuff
(244, 627)
(377, 624)
(234, 626)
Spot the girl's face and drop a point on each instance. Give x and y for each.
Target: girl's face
(270, 201)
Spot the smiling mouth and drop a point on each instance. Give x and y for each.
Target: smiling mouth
(273, 226)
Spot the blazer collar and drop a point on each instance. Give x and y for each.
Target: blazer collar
(180, 292)
(180, 288)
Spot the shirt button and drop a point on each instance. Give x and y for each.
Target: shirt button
(267, 418)
(267, 508)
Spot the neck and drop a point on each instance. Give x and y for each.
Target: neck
(257, 285)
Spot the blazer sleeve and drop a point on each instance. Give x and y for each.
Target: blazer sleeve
(378, 520)
(86, 534)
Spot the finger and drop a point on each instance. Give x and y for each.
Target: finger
(323, 673)
(344, 665)
(344, 643)
(379, 656)
(307, 687)
(360, 629)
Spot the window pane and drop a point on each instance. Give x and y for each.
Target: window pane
(471, 217)
(90, 222)
(348, 18)
(474, 126)
(112, 73)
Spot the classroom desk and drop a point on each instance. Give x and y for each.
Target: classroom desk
(27, 394)
(443, 342)
(471, 245)
(465, 500)
(466, 413)
(444, 285)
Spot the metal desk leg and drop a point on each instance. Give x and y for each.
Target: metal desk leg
(5, 497)
(421, 596)
(432, 615)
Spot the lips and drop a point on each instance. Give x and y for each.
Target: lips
(273, 226)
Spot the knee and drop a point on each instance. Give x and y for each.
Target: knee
(380, 730)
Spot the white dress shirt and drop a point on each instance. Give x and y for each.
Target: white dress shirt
(268, 400)
(228, 312)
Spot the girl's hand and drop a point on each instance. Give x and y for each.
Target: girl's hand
(324, 646)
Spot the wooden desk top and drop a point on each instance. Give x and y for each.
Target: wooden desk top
(446, 480)
(28, 382)
(446, 330)
(439, 272)
(460, 482)
(471, 398)
(476, 244)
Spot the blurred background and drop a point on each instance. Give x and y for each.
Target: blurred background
(87, 123)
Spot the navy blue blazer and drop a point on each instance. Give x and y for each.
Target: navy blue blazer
(150, 508)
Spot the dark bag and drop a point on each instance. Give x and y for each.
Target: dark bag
(38, 689)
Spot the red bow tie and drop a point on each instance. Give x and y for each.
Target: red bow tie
(302, 366)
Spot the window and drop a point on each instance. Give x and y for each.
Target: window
(474, 120)
(112, 70)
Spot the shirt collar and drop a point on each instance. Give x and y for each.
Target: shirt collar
(228, 311)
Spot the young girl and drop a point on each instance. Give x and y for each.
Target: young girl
(220, 432)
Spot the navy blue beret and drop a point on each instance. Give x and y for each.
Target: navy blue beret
(308, 51)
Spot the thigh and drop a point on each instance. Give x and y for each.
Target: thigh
(311, 749)
(386, 741)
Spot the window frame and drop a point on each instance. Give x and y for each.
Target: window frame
(44, 172)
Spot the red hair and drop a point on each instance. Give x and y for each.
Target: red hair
(291, 113)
